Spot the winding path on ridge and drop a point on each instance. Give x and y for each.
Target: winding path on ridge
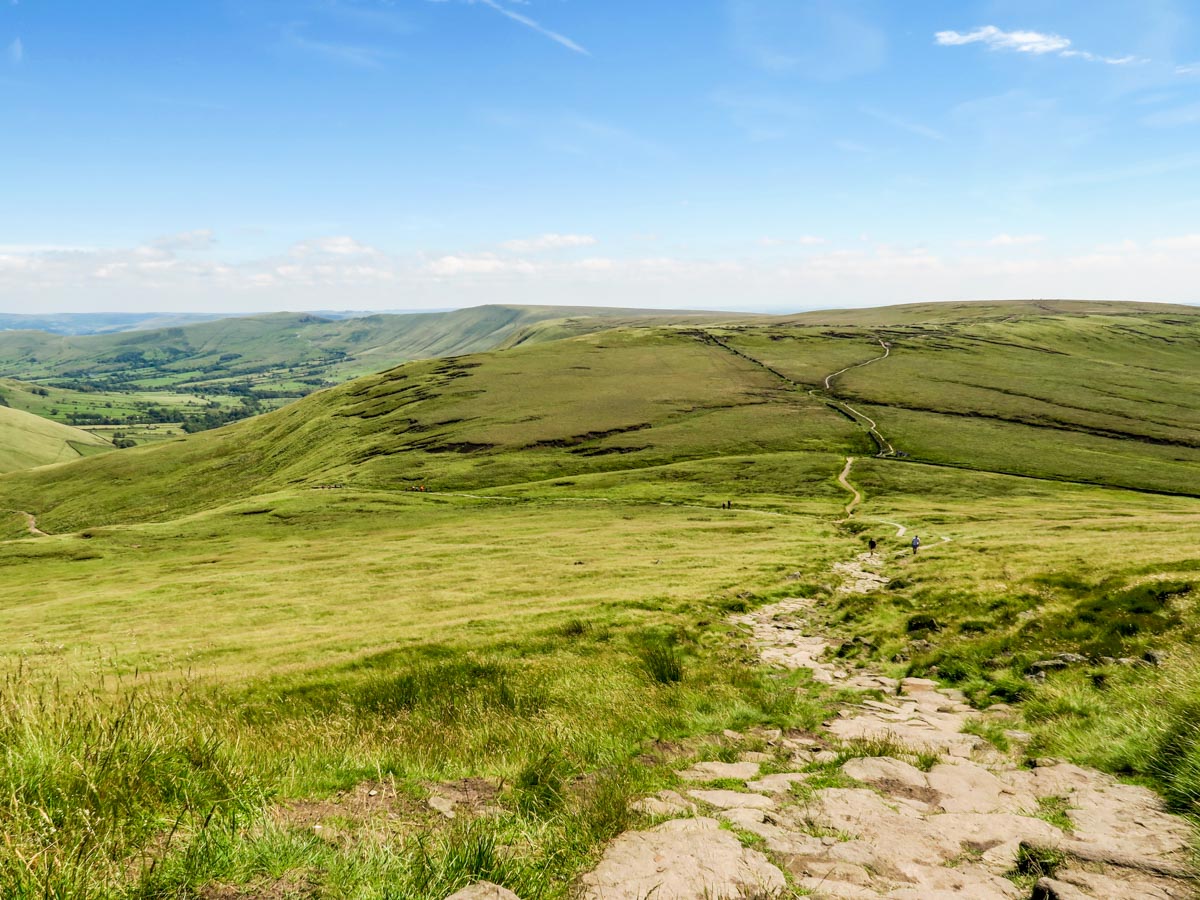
(844, 481)
(884, 445)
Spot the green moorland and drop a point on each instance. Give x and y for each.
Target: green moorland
(205, 374)
(27, 440)
(223, 631)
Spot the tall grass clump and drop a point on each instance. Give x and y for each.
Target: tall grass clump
(154, 790)
(662, 663)
(1143, 723)
(87, 780)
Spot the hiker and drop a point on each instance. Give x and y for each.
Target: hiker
(871, 544)
(916, 542)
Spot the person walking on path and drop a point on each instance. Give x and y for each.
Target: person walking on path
(872, 545)
(916, 542)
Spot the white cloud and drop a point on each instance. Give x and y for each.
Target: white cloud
(478, 264)
(1189, 69)
(1035, 43)
(536, 26)
(342, 273)
(1015, 240)
(549, 242)
(200, 239)
(805, 240)
(1021, 41)
(338, 245)
(16, 52)
(1182, 242)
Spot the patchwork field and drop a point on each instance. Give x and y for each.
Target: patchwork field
(511, 574)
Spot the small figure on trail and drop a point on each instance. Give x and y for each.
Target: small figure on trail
(872, 545)
(916, 542)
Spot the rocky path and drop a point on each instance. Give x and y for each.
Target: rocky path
(894, 798)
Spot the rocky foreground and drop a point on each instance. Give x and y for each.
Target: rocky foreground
(892, 800)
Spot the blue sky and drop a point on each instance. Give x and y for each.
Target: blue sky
(741, 154)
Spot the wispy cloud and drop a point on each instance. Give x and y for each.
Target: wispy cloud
(1189, 69)
(15, 52)
(549, 242)
(536, 26)
(1034, 43)
(805, 240)
(904, 124)
(1173, 118)
(357, 55)
(1015, 240)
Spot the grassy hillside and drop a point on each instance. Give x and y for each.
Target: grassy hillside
(223, 631)
(27, 440)
(619, 400)
(98, 323)
(202, 375)
(1098, 393)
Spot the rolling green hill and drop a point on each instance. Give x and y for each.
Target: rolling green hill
(512, 571)
(206, 374)
(1096, 394)
(27, 441)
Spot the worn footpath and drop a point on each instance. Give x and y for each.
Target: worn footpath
(892, 800)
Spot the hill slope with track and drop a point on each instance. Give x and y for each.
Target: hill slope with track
(1095, 394)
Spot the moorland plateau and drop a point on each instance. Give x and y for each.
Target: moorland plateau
(507, 565)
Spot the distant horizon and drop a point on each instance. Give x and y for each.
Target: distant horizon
(348, 312)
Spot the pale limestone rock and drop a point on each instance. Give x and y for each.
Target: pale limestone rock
(732, 799)
(881, 769)
(754, 756)
(711, 771)
(664, 803)
(780, 783)
(971, 788)
(687, 859)
(485, 890)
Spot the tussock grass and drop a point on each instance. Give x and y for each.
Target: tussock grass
(156, 788)
(1143, 724)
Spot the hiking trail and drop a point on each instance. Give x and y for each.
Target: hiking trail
(30, 522)
(923, 810)
(844, 481)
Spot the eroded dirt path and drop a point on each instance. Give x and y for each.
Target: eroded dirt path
(30, 522)
(844, 481)
(887, 351)
(919, 808)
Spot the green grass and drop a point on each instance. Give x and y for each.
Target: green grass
(488, 677)
(204, 374)
(225, 631)
(27, 441)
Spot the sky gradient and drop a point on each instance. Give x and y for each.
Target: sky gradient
(252, 155)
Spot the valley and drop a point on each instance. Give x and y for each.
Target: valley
(514, 559)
